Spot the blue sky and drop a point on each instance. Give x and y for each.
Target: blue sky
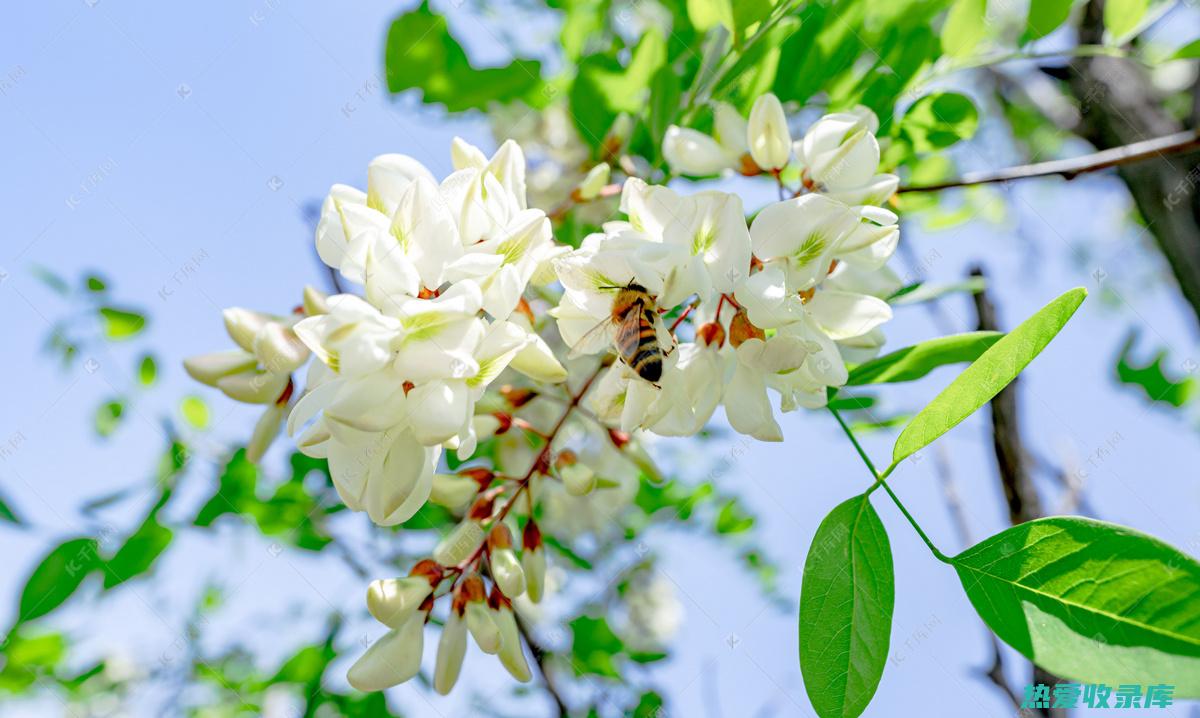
(173, 146)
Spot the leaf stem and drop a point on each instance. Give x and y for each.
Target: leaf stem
(880, 480)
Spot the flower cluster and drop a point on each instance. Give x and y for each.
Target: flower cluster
(773, 305)
(700, 308)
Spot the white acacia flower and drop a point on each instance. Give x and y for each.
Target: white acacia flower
(840, 156)
(803, 236)
(691, 152)
(393, 659)
(767, 133)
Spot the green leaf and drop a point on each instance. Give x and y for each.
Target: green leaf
(195, 411)
(7, 513)
(51, 280)
(926, 292)
(57, 577)
(593, 647)
(732, 519)
(1187, 52)
(421, 53)
(1151, 377)
(937, 121)
(121, 323)
(95, 284)
(705, 14)
(966, 24)
(603, 88)
(650, 705)
(987, 375)
(912, 363)
(138, 553)
(846, 600)
(1090, 601)
(1045, 16)
(147, 370)
(1121, 17)
(108, 417)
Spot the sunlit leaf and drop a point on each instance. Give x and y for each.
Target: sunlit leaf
(137, 555)
(912, 363)
(57, 577)
(108, 417)
(195, 411)
(1187, 52)
(605, 88)
(987, 375)
(1121, 17)
(966, 24)
(593, 647)
(939, 120)
(1090, 601)
(147, 370)
(1045, 16)
(121, 323)
(846, 601)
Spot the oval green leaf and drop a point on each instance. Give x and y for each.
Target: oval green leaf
(846, 600)
(912, 363)
(965, 26)
(1045, 16)
(57, 577)
(121, 323)
(987, 375)
(1122, 17)
(937, 121)
(1090, 601)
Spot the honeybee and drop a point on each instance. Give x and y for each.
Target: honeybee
(633, 319)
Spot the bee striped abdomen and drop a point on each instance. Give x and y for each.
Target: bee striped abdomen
(643, 353)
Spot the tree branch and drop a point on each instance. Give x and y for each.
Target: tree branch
(1159, 147)
(539, 659)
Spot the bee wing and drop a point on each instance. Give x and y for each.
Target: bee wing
(597, 339)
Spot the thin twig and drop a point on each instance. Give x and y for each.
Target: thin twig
(539, 659)
(1173, 144)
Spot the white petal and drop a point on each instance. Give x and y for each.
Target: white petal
(691, 152)
(387, 176)
(767, 133)
(844, 314)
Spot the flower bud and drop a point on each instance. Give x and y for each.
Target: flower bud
(712, 334)
(279, 349)
(393, 659)
(265, 431)
(597, 177)
(457, 545)
(452, 646)
(209, 368)
(453, 491)
(315, 301)
(512, 657)
(488, 425)
(517, 396)
(244, 325)
(392, 601)
(691, 152)
(479, 619)
(618, 134)
(254, 386)
(767, 133)
(533, 561)
(741, 329)
(506, 570)
(578, 479)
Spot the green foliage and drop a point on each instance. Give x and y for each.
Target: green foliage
(139, 552)
(1122, 17)
(147, 370)
(420, 53)
(987, 375)
(8, 514)
(594, 647)
(28, 658)
(194, 411)
(1090, 601)
(846, 601)
(1187, 52)
(937, 121)
(926, 291)
(914, 362)
(121, 323)
(966, 24)
(291, 511)
(1045, 16)
(57, 576)
(605, 88)
(1157, 386)
(108, 417)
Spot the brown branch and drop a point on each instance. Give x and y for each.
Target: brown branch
(1159, 147)
(539, 659)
